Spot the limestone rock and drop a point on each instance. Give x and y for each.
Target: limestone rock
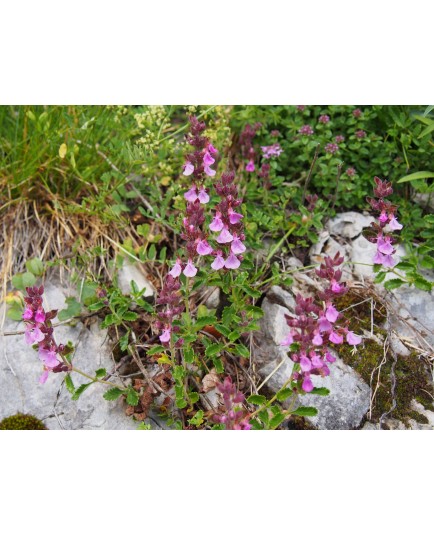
(131, 272)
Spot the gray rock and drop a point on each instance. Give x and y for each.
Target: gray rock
(349, 224)
(20, 370)
(131, 272)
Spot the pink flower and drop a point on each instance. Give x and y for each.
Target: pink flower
(217, 223)
(28, 313)
(203, 196)
(316, 362)
(317, 340)
(331, 313)
(191, 195)
(40, 316)
(384, 245)
(288, 340)
(237, 246)
(305, 364)
(324, 324)
(232, 262)
(271, 150)
(224, 237)
(360, 134)
(324, 119)
(389, 261)
(234, 217)
(176, 270)
(33, 335)
(307, 385)
(353, 339)
(357, 112)
(44, 376)
(339, 139)
(212, 149)
(330, 358)
(165, 336)
(336, 338)
(350, 172)
(331, 148)
(190, 270)
(203, 248)
(210, 172)
(49, 357)
(218, 262)
(383, 217)
(188, 169)
(250, 166)
(306, 130)
(378, 258)
(394, 224)
(336, 287)
(208, 160)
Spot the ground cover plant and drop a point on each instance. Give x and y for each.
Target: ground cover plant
(208, 200)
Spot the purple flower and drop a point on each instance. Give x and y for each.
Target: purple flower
(384, 245)
(28, 313)
(203, 248)
(40, 316)
(301, 107)
(203, 196)
(316, 362)
(218, 262)
(324, 119)
(177, 268)
(237, 246)
(217, 223)
(339, 139)
(271, 150)
(44, 376)
(353, 339)
(306, 130)
(383, 217)
(191, 195)
(307, 385)
(317, 340)
(336, 287)
(250, 166)
(305, 364)
(190, 270)
(188, 169)
(336, 338)
(357, 112)
(49, 357)
(331, 148)
(288, 340)
(234, 217)
(34, 335)
(212, 149)
(360, 134)
(394, 225)
(350, 172)
(232, 262)
(165, 336)
(210, 172)
(224, 237)
(324, 324)
(208, 160)
(331, 313)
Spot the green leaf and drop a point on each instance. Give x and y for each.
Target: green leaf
(189, 355)
(380, 277)
(35, 266)
(73, 309)
(100, 373)
(422, 283)
(263, 415)
(242, 350)
(251, 291)
(69, 384)
(223, 330)
(197, 418)
(194, 397)
(214, 349)
(113, 394)
(321, 391)
(255, 312)
(277, 420)
(257, 400)
(284, 394)
(305, 411)
(130, 316)
(132, 397)
(21, 281)
(218, 364)
(159, 349)
(234, 335)
(393, 283)
(180, 403)
(205, 321)
(15, 313)
(80, 390)
(418, 175)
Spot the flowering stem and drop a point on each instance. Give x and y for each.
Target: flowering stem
(94, 379)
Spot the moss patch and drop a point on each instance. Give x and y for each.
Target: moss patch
(413, 380)
(22, 422)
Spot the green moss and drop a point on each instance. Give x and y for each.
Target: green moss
(413, 380)
(22, 422)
